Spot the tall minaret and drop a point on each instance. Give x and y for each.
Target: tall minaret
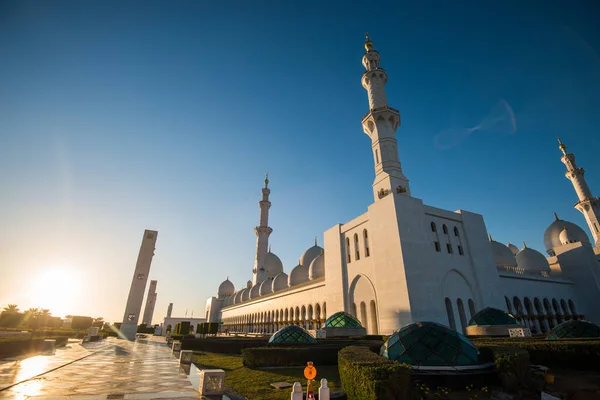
(587, 204)
(380, 124)
(259, 273)
(150, 303)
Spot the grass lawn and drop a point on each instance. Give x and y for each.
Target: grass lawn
(256, 383)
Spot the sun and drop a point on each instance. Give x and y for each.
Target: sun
(55, 288)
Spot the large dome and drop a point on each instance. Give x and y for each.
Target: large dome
(292, 334)
(299, 274)
(237, 298)
(532, 261)
(273, 265)
(513, 248)
(255, 291)
(280, 282)
(226, 289)
(552, 234)
(575, 329)
(245, 294)
(309, 255)
(566, 237)
(429, 345)
(317, 267)
(503, 256)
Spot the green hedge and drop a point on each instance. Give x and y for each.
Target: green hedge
(17, 346)
(368, 376)
(221, 345)
(289, 356)
(578, 354)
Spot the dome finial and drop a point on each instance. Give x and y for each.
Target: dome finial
(269, 248)
(315, 240)
(562, 146)
(267, 181)
(490, 236)
(524, 245)
(368, 43)
(556, 216)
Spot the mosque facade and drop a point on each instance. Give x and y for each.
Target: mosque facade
(404, 261)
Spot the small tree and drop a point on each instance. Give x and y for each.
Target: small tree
(79, 322)
(11, 308)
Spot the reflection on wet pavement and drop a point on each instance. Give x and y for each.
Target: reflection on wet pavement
(111, 368)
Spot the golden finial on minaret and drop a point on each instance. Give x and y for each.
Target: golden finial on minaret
(562, 146)
(368, 43)
(267, 180)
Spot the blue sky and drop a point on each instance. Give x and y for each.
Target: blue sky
(115, 118)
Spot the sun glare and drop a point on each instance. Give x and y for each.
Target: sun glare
(55, 289)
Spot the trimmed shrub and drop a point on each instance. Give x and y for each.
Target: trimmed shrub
(17, 346)
(368, 376)
(269, 356)
(579, 354)
(184, 327)
(221, 345)
(79, 322)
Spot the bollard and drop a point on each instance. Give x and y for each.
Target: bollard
(323, 390)
(185, 356)
(297, 392)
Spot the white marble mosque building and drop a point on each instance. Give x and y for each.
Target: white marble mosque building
(404, 261)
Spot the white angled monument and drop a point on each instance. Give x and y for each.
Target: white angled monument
(150, 303)
(138, 285)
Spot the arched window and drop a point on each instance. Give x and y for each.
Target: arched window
(549, 314)
(559, 316)
(357, 255)
(363, 315)
(456, 232)
(563, 305)
(461, 313)
(366, 238)
(445, 229)
(433, 227)
(540, 312)
(348, 258)
(471, 307)
(508, 306)
(572, 307)
(450, 314)
(373, 310)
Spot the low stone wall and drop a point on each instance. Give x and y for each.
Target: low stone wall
(490, 330)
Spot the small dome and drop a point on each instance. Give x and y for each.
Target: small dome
(492, 316)
(566, 237)
(575, 328)
(245, 294)
(429, 345)
(280, 282)
(342, 320)
(273, 265)
(552, 234)
(237, 297)
(513, 248)
(532, 260)
(317, 267)
(292, 334)
(503, 256)
(309, 255)
(249, 284)
(265, 287)
(226, 289)
(255, 291)
(299, 274)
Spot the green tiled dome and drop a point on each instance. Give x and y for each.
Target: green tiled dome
(292, 334)
(429, 345)
(493, 316)
(342, 320)
(575, 329)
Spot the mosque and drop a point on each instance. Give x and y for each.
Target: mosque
(404, 261)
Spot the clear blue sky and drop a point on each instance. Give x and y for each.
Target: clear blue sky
(115, 118)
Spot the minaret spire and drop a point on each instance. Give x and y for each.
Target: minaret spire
(380, 124)
(588, 205)
(262, 231)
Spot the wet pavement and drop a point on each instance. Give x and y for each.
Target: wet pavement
(111, 369)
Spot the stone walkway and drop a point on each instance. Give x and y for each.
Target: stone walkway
(111, 369)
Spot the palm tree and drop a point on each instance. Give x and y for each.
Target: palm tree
(11, 308)
(32, 312)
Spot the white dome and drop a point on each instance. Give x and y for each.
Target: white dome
(245, 294)
(280, 282)
(503, 256)
(226, 289)
(265, 287)
(255, 291)
(567, 237)
(249, 284)
(317, 267)
(309, 255)
(552, 234)
(298, 275)
(513, 248)
(237, 297)
(532, 260)
(273, 265)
